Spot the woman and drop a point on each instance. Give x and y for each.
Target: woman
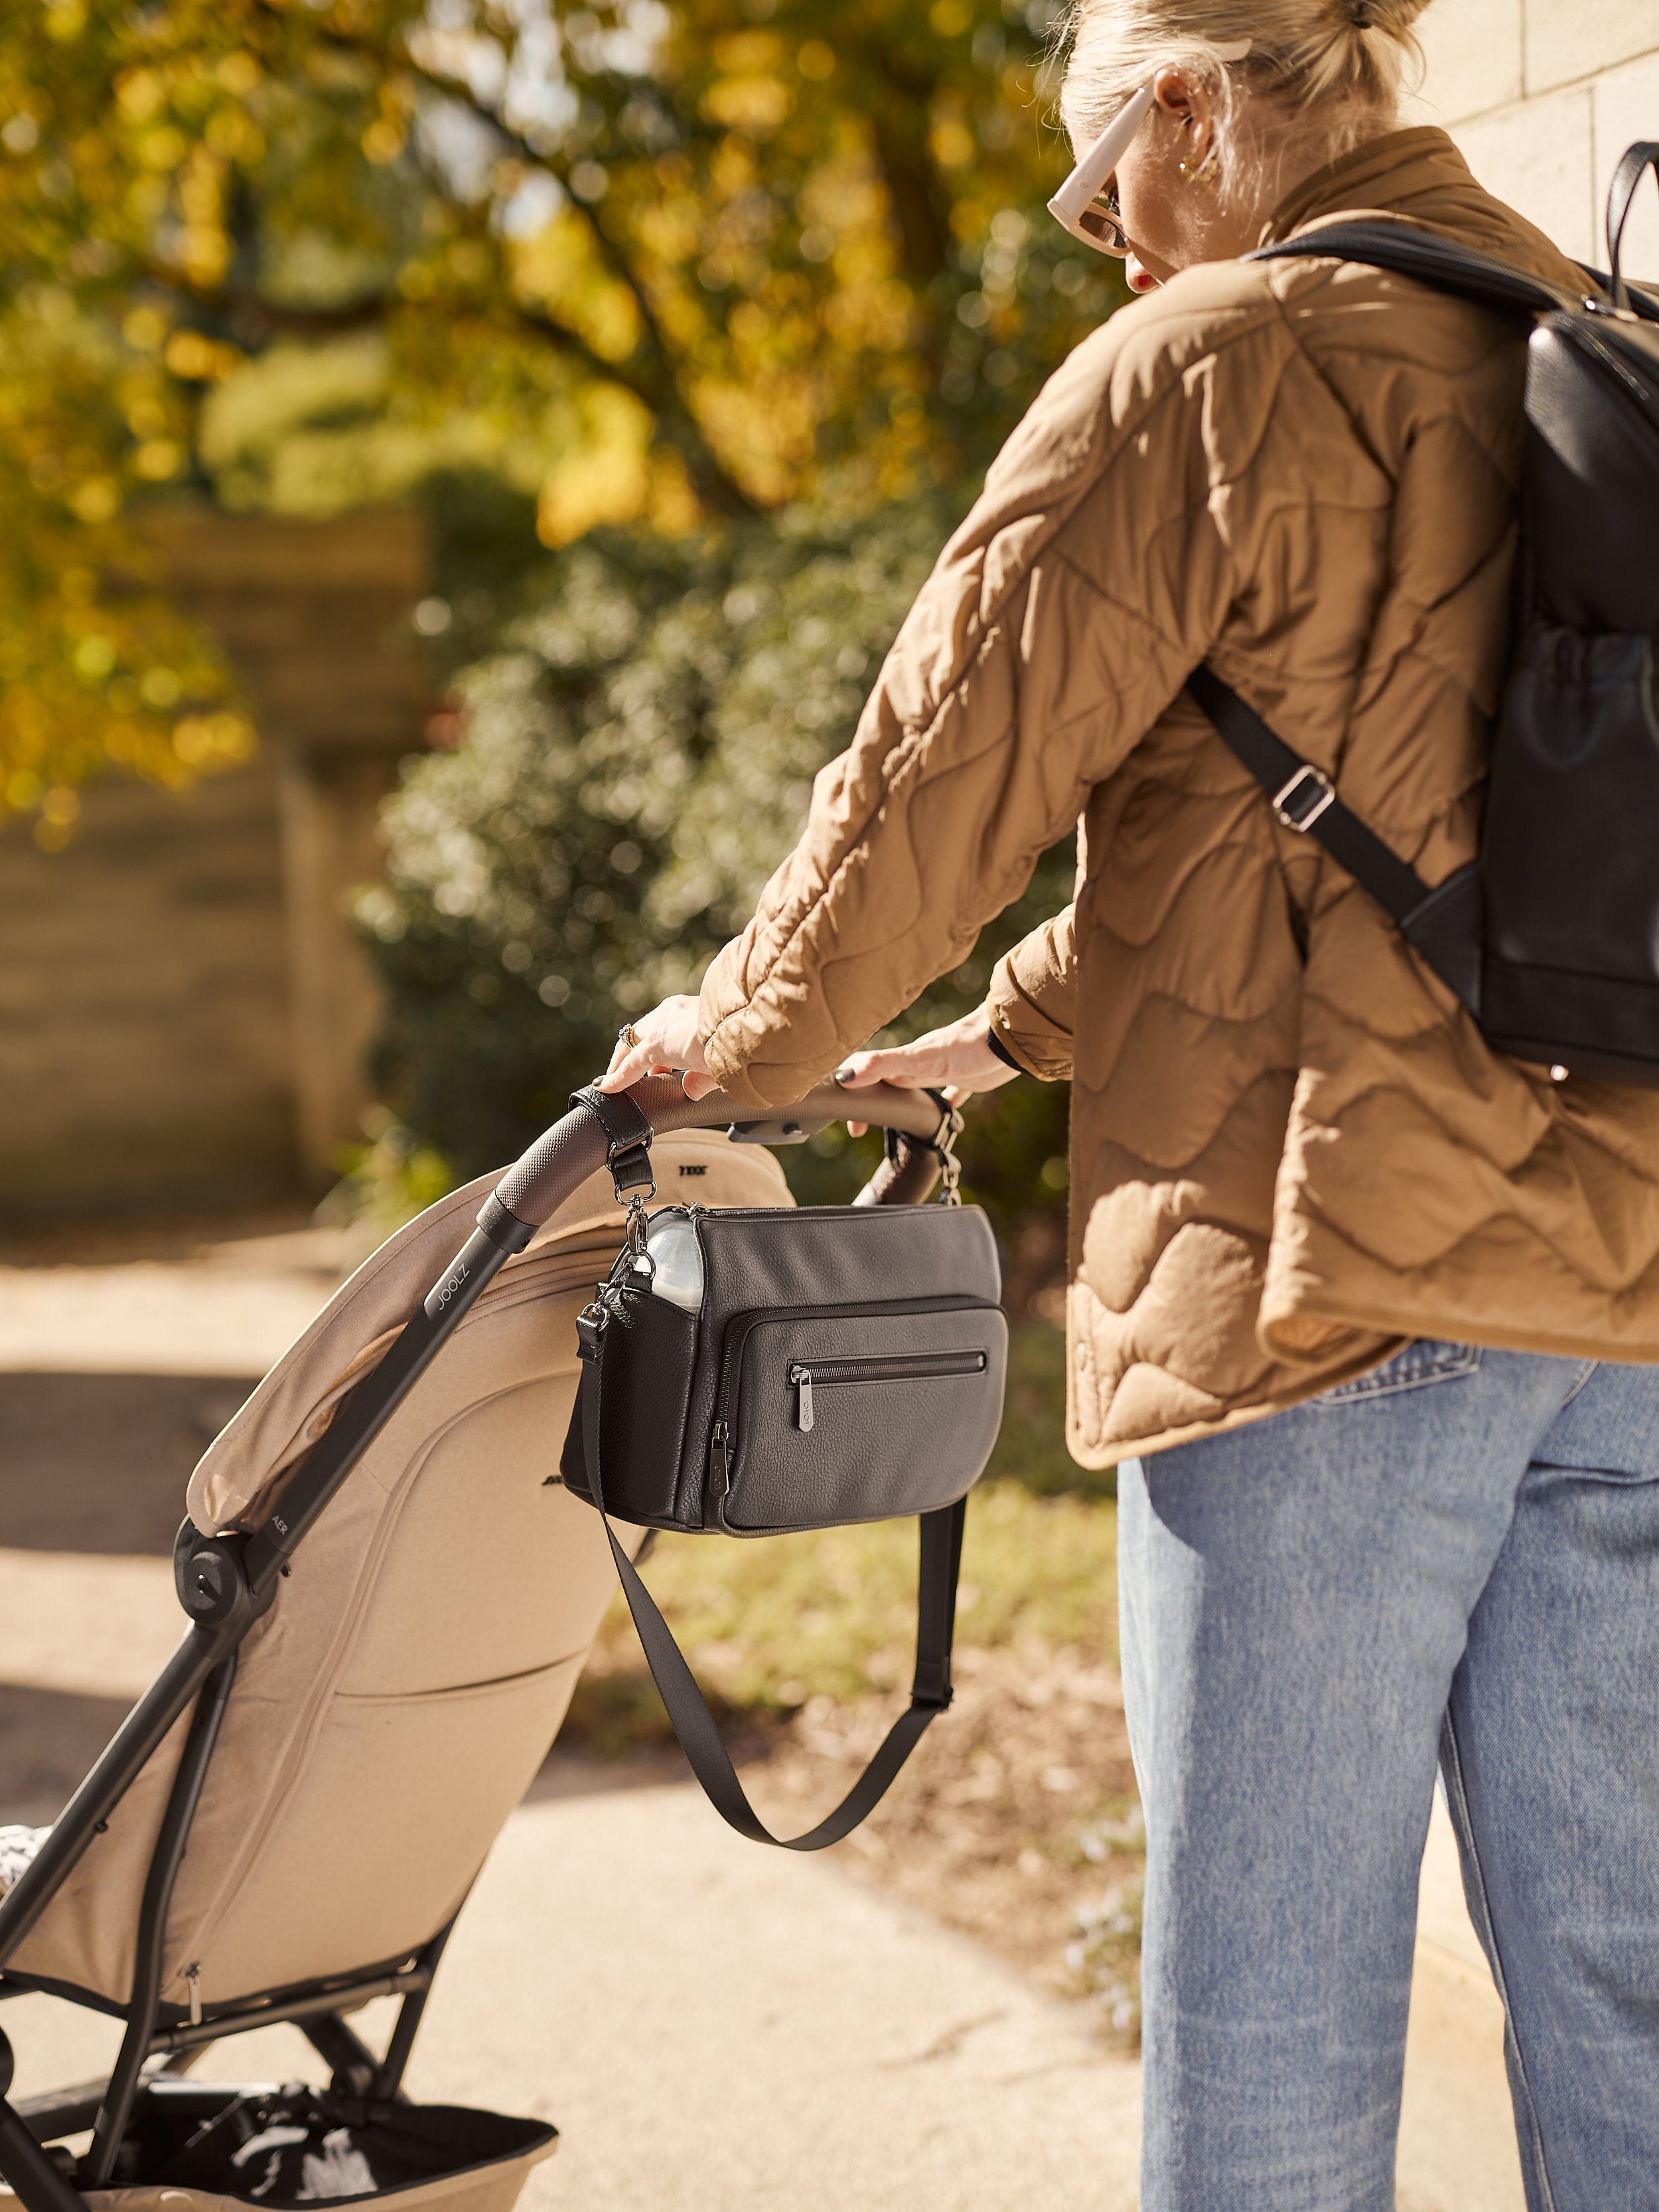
(1359, 1308)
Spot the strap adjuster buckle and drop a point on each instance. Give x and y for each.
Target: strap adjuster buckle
(1299, 804)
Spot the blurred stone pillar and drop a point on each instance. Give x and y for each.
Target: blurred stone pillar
(330, 845)
(315, 617)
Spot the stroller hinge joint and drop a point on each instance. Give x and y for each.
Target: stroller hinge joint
(213, 1584)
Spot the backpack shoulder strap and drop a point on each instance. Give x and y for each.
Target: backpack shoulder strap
(1443, 923)
(1407, 252)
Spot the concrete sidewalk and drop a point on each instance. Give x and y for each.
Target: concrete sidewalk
(714, 2027)
(719, 2029)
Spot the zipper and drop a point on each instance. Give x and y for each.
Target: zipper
(193, 1978)
(738, 1330)
(722, 1436)
(719, 1459)
(895, 1367)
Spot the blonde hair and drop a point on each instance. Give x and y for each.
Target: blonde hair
(1336, 65)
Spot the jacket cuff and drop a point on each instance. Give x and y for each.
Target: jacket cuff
(1023, 1032)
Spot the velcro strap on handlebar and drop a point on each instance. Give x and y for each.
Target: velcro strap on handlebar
(628, 1137)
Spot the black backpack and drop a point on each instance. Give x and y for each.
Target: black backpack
(1551, 938)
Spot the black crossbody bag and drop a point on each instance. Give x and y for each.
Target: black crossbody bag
(845, 1364)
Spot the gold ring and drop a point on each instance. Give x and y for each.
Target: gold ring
(628, 1034)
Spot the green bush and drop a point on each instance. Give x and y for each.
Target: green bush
(633, 761)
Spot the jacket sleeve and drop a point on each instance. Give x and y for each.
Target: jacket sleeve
(1061, 619)
(1032, 997)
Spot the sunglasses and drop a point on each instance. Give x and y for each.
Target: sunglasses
(1087, 205)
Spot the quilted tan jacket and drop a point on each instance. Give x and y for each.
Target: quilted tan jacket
(1290, 1148)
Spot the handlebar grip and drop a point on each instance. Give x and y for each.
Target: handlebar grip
(563, 1157)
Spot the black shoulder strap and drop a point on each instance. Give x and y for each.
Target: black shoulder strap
(1443, 923)
(1408, 253)
(694, 1724)
(1477, 276)
(1637, 162)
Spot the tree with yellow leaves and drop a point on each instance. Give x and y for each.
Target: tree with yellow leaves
(697, 259)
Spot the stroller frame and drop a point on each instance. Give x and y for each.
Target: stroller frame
(226, 1583)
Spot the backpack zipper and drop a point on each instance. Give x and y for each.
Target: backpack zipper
(893, 1367)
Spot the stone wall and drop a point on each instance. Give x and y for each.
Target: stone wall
(145, 1047)
(1544, 96)
(184, 1010)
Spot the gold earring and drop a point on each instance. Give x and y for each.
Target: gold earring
(1205, 171)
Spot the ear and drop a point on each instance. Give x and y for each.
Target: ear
(1185, 101)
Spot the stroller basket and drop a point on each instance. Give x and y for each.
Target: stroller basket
(195, 2147)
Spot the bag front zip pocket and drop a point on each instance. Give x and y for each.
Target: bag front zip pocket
(899, 1367)
(800, 1411)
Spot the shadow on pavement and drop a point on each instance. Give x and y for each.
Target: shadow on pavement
(48, 1742)
(93, 1464)
(99, 1462)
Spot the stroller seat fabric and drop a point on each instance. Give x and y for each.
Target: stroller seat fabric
(391, 1707)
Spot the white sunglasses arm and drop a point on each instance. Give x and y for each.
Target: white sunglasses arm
(1089, 179)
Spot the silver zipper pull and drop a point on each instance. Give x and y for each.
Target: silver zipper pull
(193, 1977)
(802, 1379)
(720, 1460)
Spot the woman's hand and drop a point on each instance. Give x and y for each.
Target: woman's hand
(958, 1059)
(666, 1042)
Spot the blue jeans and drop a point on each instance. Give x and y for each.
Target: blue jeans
(1456, 1556)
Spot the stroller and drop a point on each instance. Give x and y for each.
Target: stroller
(390, 1599)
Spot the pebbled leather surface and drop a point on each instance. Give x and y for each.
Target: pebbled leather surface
(876, 1449)
(829, 1255)
(650, 1353)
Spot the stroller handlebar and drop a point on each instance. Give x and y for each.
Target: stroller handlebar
(564, 1157)
(557, 1163)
